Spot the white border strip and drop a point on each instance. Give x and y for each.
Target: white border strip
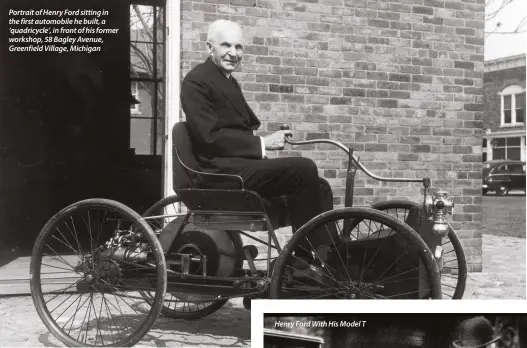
(366, 307)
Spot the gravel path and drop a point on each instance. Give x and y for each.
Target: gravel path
(503, 275)
(229, 327)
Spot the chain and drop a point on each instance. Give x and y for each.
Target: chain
(241, 279)
(201, 277)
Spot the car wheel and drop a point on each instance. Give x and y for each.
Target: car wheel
(502, 190)
(484, 192)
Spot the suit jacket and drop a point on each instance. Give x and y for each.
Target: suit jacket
(221, 123)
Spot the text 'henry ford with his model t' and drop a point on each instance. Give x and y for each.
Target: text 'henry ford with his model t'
(185, 258)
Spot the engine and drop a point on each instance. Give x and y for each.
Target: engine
(208, 252)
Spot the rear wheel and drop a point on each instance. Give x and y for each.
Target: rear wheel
(179, 305)
(86, 274)
(381, 257)
(454, 272)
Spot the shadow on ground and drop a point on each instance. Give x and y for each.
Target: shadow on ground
(9, 253)
(228, 327)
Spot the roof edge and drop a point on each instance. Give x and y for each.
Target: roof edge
(505, 63)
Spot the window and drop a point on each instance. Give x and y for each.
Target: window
(507, 148)
(134, 108)
(516, 169)
(520, 107)
(512, 106)
(504, 169)
(147, 38)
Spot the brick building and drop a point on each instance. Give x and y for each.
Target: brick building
(400, 82)
(504, 115)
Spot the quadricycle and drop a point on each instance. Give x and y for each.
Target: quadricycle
(101, 273)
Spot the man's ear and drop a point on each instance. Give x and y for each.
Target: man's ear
(209, 46)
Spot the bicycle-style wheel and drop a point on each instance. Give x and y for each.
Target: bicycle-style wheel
(87, 271)
(454, 272)
(379, 257)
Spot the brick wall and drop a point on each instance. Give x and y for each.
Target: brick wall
(494, 82)
(400, 82)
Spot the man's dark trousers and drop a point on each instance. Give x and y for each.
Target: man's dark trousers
(296, 177)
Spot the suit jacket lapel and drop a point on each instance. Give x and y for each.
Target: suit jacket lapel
(254, 121)
(227, 88)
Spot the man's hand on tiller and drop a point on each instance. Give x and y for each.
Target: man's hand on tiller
(276, 141)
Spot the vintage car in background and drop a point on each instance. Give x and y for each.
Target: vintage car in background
(503, 176)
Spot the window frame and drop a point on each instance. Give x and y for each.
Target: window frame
(506, 147)
(511, 91)
(156, 77)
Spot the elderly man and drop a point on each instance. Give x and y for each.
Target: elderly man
(222, 124)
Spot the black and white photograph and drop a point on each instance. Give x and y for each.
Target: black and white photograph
(166, 164)
(395, 331)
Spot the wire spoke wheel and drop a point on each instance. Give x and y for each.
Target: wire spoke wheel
(355, 253)
(454, 272)
(167, 212)
(87, 271)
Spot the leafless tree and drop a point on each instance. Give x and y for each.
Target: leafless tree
(497, 9)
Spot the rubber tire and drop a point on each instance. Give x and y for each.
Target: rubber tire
(356, 213)
(214, 306)
(36, 259)
(503, 192)
(458, 248)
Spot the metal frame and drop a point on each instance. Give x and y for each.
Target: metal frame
(270, 232)
(355, 160)
(353, 164)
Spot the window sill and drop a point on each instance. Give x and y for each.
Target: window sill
(512, 125)
(135, 112)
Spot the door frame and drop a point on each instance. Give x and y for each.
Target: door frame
(172, 76)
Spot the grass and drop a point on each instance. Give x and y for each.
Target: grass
(504, 216)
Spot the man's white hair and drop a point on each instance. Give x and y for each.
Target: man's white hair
(219, 25)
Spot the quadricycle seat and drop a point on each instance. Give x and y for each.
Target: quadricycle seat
(230, 205)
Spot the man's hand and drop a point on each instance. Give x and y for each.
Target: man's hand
(276, 141)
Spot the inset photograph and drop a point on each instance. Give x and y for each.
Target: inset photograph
(394, 331)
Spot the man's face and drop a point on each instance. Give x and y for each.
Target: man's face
(226, 49)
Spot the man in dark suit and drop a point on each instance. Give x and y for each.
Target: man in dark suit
(221, 125)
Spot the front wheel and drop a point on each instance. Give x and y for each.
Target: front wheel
(378, 257)
(87, 272)
(454, 272)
